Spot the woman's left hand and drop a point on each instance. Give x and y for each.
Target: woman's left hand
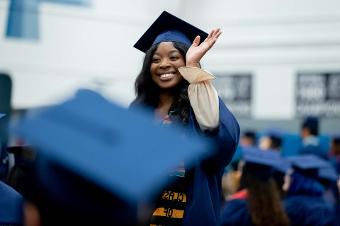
(197, 51)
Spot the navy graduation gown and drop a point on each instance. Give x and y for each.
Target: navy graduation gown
(304, 210)
(235, 212)
(204, 193)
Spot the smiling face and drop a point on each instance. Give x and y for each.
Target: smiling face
(164, 67)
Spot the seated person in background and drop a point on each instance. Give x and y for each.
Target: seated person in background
(248, 139)
(335, 151)
(258, 200)
(304, 201)
(10, 203)
(328, 178)
(231, 177)
(310, 137)
(271, 140)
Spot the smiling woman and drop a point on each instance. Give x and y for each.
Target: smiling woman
(172, 84)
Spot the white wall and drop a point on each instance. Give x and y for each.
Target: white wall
(92, 47)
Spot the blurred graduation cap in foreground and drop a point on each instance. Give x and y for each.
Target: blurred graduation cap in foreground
(2, 115)
(124, 152)
(167, 28)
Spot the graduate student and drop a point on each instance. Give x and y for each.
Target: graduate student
(304, 202)
(10, 203)
(309, 134)
(258, 200)
(174, 86)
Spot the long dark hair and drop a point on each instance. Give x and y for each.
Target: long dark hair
(147, 91)
(264, 202)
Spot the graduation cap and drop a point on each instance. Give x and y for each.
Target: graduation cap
(261, 162)
(168, 28)
(328, 173)
(307, 165)
(122, 151)
(2, 115)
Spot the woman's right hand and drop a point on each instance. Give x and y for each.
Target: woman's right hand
(197, 51)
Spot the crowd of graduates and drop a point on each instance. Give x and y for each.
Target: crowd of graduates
(266, 186)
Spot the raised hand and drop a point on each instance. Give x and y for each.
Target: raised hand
(197, 51)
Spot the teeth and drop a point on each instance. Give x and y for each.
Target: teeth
(167, 76)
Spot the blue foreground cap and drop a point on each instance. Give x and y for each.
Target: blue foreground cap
(122, 151)
(168, 28)
(2, 115)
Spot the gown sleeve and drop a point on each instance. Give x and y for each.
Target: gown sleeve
(203, 97)
(211, 116)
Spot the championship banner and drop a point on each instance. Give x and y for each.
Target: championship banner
(235, 90)
(318, 94)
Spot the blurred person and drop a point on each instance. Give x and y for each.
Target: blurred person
(310, 137)
(335, 152)
(10, 203)
(231, 177)
(328, 178)
(258, 200)
(271, 140)
(304, 202)
(248, 139)
(173, 85)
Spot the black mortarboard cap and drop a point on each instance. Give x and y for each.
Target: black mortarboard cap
(166, 28)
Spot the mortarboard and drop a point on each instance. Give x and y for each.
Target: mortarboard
(308, 164)
(261, 163)
(123, 151)
(166, 28)
(328, 173)
(2, 115)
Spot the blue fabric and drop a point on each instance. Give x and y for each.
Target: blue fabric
(313, 149)
(172, 36)
(337, 214)
(301, 185)
(305, 204)
(304, 210)
(10, 205)
(204, 194)
(235, 212)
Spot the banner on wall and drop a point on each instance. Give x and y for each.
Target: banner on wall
(236, 92)
(318, 94)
